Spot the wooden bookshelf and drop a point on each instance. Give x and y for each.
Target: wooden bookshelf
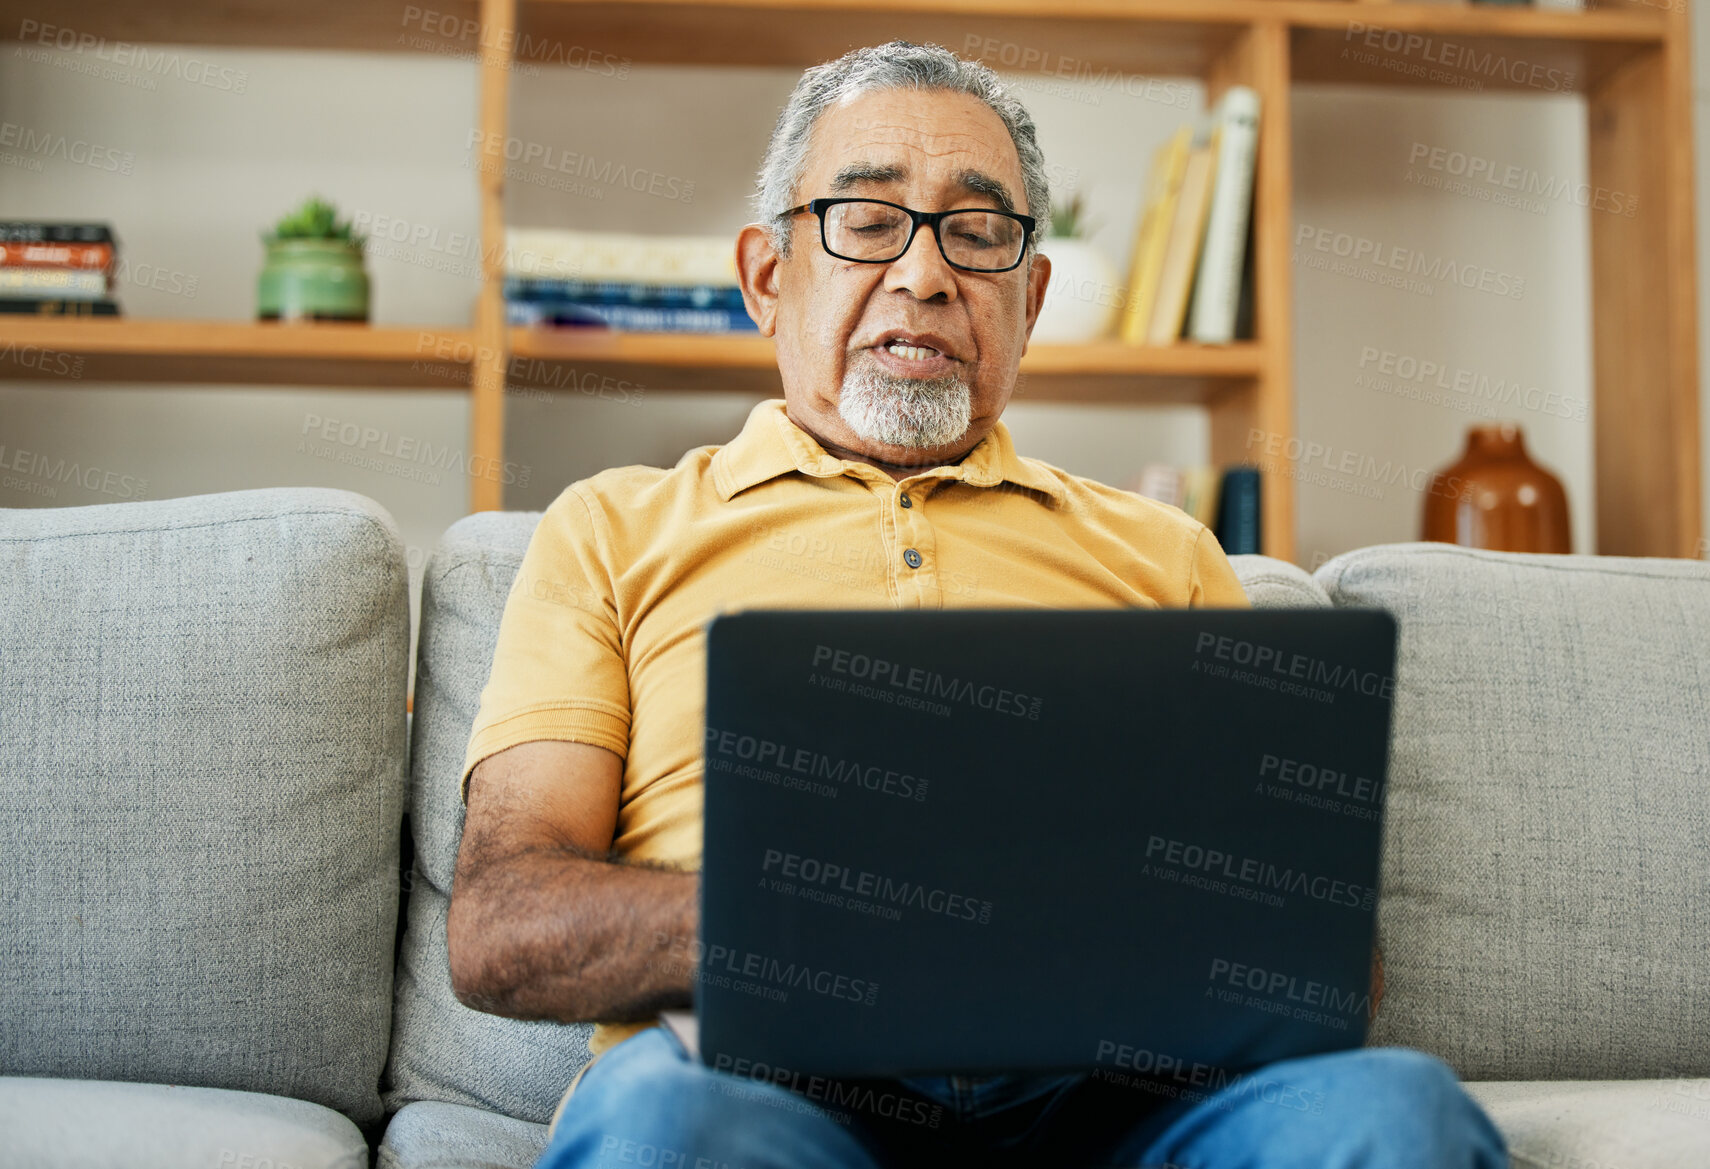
(1630, 60)
(120, 349)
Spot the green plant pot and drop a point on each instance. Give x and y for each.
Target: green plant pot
(312, 280)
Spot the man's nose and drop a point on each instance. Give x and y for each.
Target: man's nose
(922, 270)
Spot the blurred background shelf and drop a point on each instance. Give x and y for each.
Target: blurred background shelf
(1180, 37)
(1629, 60)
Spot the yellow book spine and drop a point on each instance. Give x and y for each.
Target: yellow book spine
(1169, 165)
(1181, 257)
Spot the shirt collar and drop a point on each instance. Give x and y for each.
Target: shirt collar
(771, 445)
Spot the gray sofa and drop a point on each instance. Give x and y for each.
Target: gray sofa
(214, 809)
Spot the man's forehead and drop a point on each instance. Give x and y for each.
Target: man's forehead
(851, 177)
(898, 135)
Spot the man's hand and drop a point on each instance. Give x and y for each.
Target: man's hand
(542, 925)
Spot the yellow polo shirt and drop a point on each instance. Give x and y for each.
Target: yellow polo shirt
(602, 638)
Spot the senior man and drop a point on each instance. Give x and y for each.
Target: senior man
(894, 262)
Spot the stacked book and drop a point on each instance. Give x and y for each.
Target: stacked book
(57, 269)
(1226, 501)
(632, 283)
(1190, 274)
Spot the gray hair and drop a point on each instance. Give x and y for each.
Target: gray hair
(897, 65)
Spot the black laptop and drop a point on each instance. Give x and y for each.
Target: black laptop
(1020, 840)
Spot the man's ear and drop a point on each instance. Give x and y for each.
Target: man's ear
(1038, 276)
(757, 271)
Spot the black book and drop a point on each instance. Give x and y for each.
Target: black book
(51, 307)
(1237, 528)
(19, 231)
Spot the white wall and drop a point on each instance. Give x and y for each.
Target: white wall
(388, 136)
(1527, 326)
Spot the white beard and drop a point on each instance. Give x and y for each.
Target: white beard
(920, 413)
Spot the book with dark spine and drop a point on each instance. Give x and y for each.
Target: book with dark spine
(28, 232)
(47, 307)
(1238, 521)
(628, 317)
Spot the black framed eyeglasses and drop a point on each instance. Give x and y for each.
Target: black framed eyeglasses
(872, 231)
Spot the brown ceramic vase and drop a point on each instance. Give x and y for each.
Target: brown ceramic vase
(1496, 497)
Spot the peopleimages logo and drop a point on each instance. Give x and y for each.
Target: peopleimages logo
(884, 672)
(44, 469)
(1400, 263)
(1527, 182)
(1319, 779)
(716, 962)
(49, 144)
(1457, 58)
(834, 1095)
(807, 764)
(573, 163)
(1315, 671)
(1473, 385)
(834, 879)
(1171, 1075)
(418, 458)
(1277, 984)
(1258, 874)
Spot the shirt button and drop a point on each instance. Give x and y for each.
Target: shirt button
(911, 558)
(905, 500)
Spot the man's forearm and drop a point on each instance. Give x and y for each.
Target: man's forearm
(548, 933)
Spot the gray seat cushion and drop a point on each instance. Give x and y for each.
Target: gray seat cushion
(93, 1124)
(1544, 912)
(203, 711)
(1277, 584)
(1641, 1124)
(441, 1049)
(429, 1135)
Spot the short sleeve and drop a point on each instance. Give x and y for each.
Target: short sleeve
(558, 667)
(1212, 583)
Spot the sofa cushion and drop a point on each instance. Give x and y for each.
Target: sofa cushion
(1639, 1124)
(1277, 584)
(430, 1135)
(98, 1124)
(441, 1049)
(1543, 913)
(203, 703)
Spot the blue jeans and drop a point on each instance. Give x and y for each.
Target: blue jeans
(645, 1105)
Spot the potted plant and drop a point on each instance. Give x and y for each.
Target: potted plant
(1084, 293)
(314, 268)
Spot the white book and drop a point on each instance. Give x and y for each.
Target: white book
(1217, 288)
(52, 283)
(1161, 482)
(620, 256)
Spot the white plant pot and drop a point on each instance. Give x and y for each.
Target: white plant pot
(1082, 297)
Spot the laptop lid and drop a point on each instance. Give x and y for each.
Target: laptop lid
(988, 841)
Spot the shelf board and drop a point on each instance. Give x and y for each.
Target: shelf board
(233, 352)
(1075, 39)
(615, 365)
(1180, 39)
(1066, 39)
(272, 24)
